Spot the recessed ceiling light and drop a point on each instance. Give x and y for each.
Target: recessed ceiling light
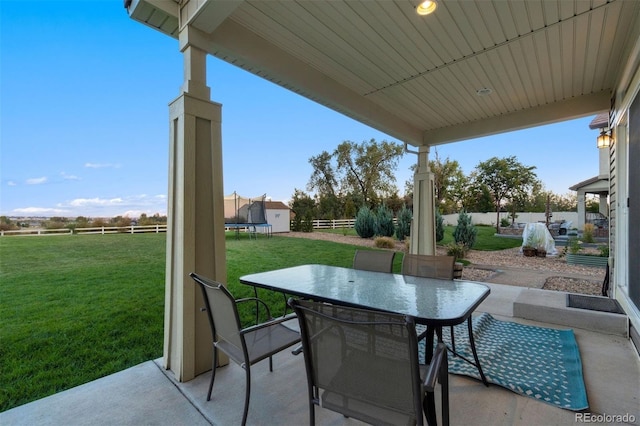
(484, 91)
(426, 7)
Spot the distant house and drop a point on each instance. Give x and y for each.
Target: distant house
(276, 213)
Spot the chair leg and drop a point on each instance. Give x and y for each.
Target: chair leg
(312, 414)
(444, 389)
(475, 354)
(429, 407)
(453, 341)
(214, 364)
(247, 395)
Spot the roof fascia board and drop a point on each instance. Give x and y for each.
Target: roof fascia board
(240, 46)
(552, 113)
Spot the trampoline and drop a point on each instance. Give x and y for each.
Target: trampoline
(248, 214)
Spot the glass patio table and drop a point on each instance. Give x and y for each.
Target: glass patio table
(431, 302)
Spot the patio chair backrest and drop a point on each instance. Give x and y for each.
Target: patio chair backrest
(429, 266)
(223, 316)
(374, 260)
(361, 363)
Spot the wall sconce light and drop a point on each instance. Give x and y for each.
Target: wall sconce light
(604, 139)
(426, 7)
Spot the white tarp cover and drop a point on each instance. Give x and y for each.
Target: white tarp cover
(540, 236)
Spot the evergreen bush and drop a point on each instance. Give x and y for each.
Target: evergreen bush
(404, 223)
(439, 226)
(296, 223)
(465, 232)
(365, 224)
(307, 224)
(384, 221)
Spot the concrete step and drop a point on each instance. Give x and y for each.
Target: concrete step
(551, 307)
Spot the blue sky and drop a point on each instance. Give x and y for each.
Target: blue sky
(84, 94)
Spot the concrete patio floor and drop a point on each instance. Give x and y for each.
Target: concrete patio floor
(148, 395)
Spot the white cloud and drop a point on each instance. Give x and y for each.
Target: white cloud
(95, 202)
(11, 183)
(39, 211)
(101, 165)
(36, 181)
(66, 176)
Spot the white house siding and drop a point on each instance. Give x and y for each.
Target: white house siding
(625, 276)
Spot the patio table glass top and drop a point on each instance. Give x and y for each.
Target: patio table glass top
(434, 302)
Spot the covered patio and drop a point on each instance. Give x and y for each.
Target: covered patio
(148, 394)
(469, 69)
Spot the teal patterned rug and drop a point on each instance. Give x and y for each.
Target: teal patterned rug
(541, 363)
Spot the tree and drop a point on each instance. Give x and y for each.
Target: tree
(323, 178)
(449, 182)
(301, 203)
(465, 232)
(365, 224)
(368, 168)
(384, 221)
(505, 178)
(404, 223)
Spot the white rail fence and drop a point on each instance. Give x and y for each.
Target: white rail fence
(96, 230)
(476, 218)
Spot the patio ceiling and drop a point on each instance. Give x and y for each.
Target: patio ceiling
(414, 77)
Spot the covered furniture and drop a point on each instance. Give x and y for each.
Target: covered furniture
(243, 346)
(364, 364)
(374, 260)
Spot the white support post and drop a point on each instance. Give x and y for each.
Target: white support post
(423, 230)
(195, 228)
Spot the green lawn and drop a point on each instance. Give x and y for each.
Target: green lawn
(74, 308)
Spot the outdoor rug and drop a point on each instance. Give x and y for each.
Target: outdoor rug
(537, 362)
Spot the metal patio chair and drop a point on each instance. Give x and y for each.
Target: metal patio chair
(442, 267)
(243, 346)
(422, 265)
(364, 364)
(374, 260)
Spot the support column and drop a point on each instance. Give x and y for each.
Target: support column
(423, 229)
(582, 209)
(195, 233)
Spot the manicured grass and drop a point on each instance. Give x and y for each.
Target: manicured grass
(485, 240)
(74, 308)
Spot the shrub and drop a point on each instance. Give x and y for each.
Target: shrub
(574, 245)
(404, 223)
(307, 224)
(384, 221)
(604, 250)
(365, 224)
(296, 223)
(505, 222)
(587, 234)
(439, 226)
(465, 233)
(384, 242)
(457, 250)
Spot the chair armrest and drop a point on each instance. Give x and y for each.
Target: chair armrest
(439, 357)
(257, 300)
(268, 323)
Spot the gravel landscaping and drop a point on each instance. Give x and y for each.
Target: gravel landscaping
(570, 278)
